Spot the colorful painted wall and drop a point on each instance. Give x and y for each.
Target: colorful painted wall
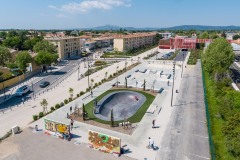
(53, 126)
(104, 143)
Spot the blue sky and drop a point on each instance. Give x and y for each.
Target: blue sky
(60, 14)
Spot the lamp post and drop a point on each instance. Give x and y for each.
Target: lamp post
(117, 75)
(174, 63)
(78, 70)
(88, 74)
(182, 64)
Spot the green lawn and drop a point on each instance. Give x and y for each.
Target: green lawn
(135, 118)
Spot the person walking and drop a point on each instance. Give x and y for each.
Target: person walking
(150, 142)
(70, 109)
(71, 124)
(153, 123)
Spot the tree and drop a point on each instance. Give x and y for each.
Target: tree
(44, 104)
(157, 38)
(144, 84)
(44, 46)
(70, 92)
(235, 37)
(22, 59)
(30, 43)
(3, 35)
(112, 118)
(13, 42)
(218, 57)
(205, 35)
(45, 58)
(5, 56)
(84, 112)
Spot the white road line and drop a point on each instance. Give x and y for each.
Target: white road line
(199, 136)
(199, 156)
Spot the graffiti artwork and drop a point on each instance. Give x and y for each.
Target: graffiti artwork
(57, 127)
(104, 143)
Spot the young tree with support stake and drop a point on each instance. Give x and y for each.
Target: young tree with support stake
(126, 82)
(70, 92)
(84, 112)
(144, 85)
(44, 104)
(112, 118)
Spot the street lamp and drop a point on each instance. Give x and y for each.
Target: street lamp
(78, 70)
(174, 63)
(88, 74)
(182, 64)
(117, 74)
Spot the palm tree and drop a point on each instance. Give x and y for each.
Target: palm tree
(44, 104)
(83, 112)
(70, 92)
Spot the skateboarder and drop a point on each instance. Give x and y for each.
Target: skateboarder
(153, 123)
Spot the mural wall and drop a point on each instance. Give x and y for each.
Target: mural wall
(104, 143)
(57, 127)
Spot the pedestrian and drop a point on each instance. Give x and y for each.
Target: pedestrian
(70, 109)
(168, 83)
(71, 124)
(153, 123)
(91, 93)
(150, 142)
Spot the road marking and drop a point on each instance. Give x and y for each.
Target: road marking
(199, 156)
(199, 136)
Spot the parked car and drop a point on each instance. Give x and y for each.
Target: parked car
(22, 90)
(44, 84)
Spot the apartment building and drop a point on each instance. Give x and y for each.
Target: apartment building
(130, 41)
(67, 47)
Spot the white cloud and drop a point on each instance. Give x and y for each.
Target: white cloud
(87, 5)
(61, 16)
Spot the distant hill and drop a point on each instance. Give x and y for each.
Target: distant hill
(182, 27)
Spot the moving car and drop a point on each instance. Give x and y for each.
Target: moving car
(44, 84)
(22, 90)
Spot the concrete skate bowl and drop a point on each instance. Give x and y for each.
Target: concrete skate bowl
(124, 104)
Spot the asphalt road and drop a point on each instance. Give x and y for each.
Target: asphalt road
(52, 77)
(186, 137)
(181, 56)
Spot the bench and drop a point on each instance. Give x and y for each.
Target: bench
(169, 76)
(152, 109)
(161, 90)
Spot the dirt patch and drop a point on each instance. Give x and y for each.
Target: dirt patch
(118, 128)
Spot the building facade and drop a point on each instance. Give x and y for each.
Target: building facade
(67, 47)
(127, 42)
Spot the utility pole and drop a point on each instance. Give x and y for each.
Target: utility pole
(174, 63)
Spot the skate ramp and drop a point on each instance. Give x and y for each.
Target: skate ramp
(124, 104)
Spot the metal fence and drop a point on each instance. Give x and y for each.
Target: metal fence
(211, 145)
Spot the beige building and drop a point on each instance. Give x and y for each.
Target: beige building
(67, 47)
(130, 41)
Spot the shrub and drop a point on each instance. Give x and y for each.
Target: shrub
(52, 108)
(35, 117)
(96, 84)
(61, 104)
(40, 115)
(110, 76)
(81, 93)
(78, 95)
(57, 106)
(65, 101)
(114, 74)
(99, 83)
(70, 99)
